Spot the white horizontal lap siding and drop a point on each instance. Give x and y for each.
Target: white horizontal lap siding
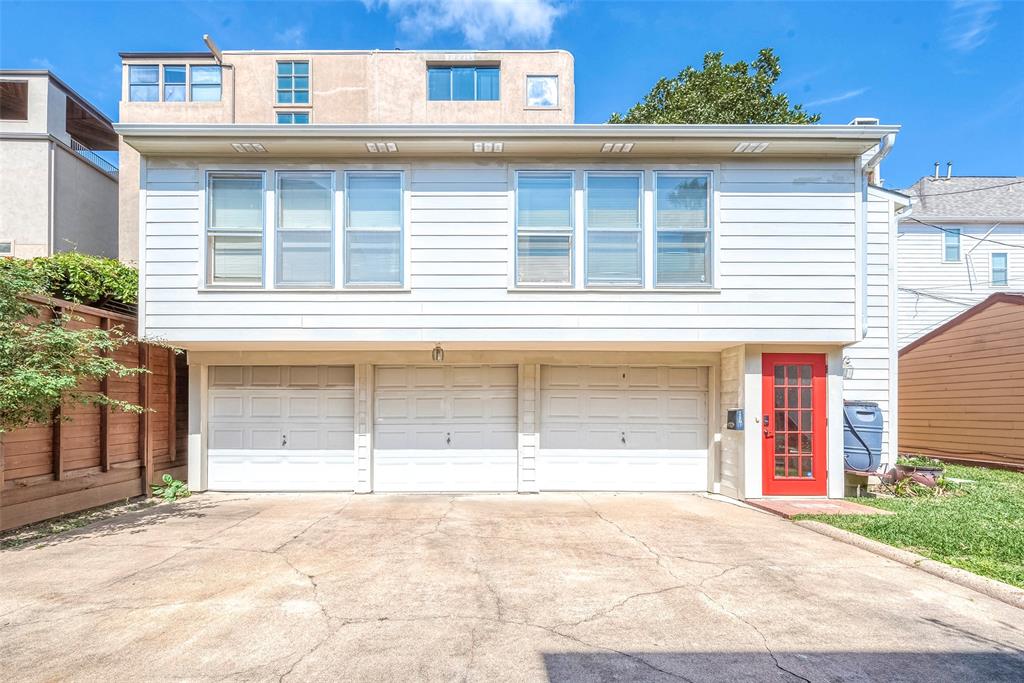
(933, 291)
(873, 358)
(785, 266)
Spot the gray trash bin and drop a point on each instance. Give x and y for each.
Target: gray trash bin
(862, 435)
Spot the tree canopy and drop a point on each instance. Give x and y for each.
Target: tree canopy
(719, 93)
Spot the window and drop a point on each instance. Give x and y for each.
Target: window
(235, 229)
(7, 248)
(1000, 270)
(14, 100)
(143, 83)
(951, 244)
(293, 117)
(613, 228)
(205, 83)
(373, 228)
(542, 92)
(682, 229)
(174, 83)
(544, 228)
(463, 83)
(305, 229)
(293, 82)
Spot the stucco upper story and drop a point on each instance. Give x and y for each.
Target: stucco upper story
(57, 193)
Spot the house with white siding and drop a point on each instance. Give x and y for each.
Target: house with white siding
(456, 288)
(963, 242)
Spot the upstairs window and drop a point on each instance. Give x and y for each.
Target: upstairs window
(293, 82)
(613, 229)
(205, 83)
(14, 100)
(174, 83)
(1000, 269)
(951, 245)
(293, 117)
(144, 83)
(463, 83)
(542, 92)
(305, 229)
(234, 229)
(544, 228)
(373, 228)
(682, 229)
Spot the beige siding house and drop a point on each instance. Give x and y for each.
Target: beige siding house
(441, 283)
(57, 193)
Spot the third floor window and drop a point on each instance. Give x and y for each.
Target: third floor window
(463, 83)
(293, 82)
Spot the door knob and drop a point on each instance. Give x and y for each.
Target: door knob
(768, 433)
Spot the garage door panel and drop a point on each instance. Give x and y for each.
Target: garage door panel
(631, 428)
(279, 428)
(445, 428)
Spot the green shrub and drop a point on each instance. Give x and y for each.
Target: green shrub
(76, 277)
(171, 488)
(920, 461)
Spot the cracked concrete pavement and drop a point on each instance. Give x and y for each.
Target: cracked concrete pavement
(560, 587)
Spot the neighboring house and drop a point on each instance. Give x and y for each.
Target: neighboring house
(56, 193)
(962, 386)
(440, 283)
(963, 241)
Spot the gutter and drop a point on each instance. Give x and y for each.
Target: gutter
(601, 130)
(884, 147)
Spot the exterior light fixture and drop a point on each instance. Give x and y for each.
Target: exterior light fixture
(618, 147)
(437, 355)
(381, 147)
(488, 147)
(847, 367)
(751, 147)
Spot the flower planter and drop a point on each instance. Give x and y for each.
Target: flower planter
(926, 476)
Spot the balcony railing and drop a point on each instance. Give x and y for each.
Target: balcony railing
(93, 158)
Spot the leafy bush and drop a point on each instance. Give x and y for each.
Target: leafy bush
(76, 277)
(171, 488)
(43, 360)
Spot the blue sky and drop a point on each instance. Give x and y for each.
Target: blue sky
(949, 72)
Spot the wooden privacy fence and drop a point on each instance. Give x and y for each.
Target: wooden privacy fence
(98, 455)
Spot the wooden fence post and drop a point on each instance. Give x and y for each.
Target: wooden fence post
(172, 413)
(145, 452)
(57, 420)
(105, 411)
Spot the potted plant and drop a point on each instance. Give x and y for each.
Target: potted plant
(920, 469)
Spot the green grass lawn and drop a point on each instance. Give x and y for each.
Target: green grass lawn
(980, 530)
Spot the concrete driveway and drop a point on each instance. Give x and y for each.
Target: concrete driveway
(552, 587)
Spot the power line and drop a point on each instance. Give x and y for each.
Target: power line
(973, 189)
(960, 232)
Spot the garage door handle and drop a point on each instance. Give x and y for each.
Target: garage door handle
(284, 440)
(623, 437)
(449, 438)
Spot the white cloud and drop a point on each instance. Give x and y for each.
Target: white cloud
(483, 23)
(43, 63)
(848, 95)
(969, 23)
(293, 36)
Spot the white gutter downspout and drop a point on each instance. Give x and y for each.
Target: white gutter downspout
(885, 146)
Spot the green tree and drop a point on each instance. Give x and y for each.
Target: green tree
(719, 93)
(44, 360)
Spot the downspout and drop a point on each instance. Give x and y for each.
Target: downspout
(51, 222)
(868, 167)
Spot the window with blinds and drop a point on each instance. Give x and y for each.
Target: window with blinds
(305, 229)
(614, 229)
(544, 227)
(373, 228)
(682, 229)
(234, 229)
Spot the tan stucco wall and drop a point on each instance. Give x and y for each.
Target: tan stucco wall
(24, 195)
(85, 206)
(38, 101)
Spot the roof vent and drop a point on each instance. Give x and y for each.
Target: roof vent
(864, 121)
(248, 147)
(751, 147)
(617, 147)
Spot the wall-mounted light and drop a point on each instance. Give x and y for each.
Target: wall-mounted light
(248, 147)
(381, 147)
(751, 147)
(847, 367)
(437, 355)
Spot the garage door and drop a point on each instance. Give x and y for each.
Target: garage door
(445, 428)
(277, 428)
(623, 428)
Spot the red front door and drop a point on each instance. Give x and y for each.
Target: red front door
(793, 424)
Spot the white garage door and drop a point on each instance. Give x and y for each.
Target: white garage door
(623, 428)
(445, 428)
(277, 428)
